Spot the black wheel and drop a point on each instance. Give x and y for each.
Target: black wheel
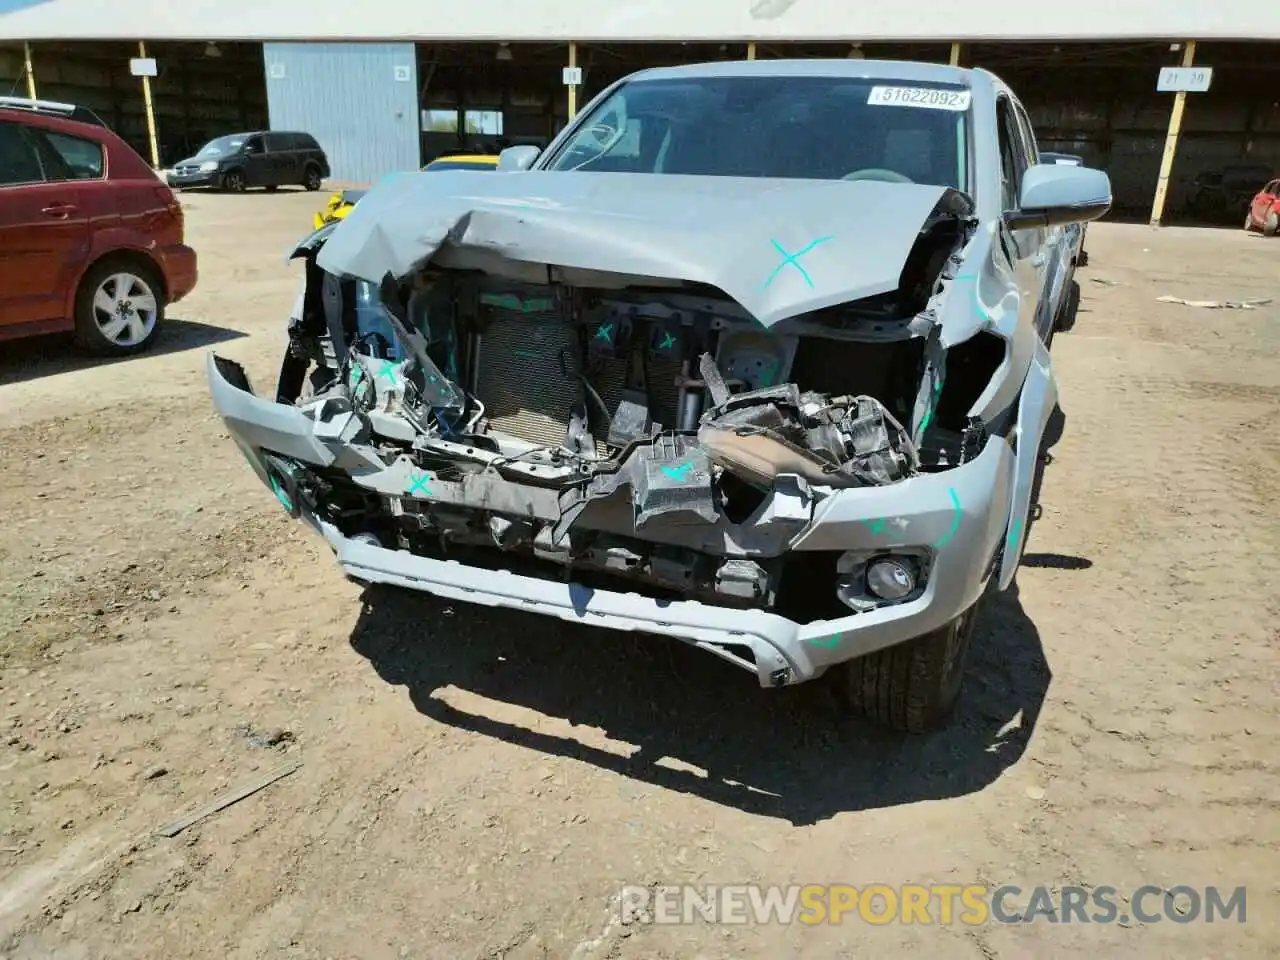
(912, 687)
(1082, 258)
(1271, 225)
(1248, 222)
(271, 189)
(119, 307)
(233, 181)
(312, 180)
(1066, 318)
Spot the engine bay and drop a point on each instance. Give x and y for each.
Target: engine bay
(653, 433)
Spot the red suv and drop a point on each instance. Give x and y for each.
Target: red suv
(90, 238)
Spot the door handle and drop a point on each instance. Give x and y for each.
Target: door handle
(59, 210)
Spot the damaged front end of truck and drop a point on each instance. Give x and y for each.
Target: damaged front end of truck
(780, 420)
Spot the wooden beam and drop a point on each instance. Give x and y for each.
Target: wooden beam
(151, 113)
(1171, 141)
(28, 70)
(573, 90)
(955, 54)
(751, 50)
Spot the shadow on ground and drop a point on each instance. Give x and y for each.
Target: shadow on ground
(56, 353)
(787, 753)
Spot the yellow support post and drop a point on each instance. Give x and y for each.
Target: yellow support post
(955, 54)
(151, 113)
(573, 89)
(28, 70)
(1171, 141)
(751, 50)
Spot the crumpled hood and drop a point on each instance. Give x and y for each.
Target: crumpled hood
(778, 247)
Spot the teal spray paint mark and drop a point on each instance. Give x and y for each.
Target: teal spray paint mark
(418, 485)
(955, 519)
(933, 405)
(678, 472)
(875, 526)
(285, 500)
(605, 332)
(793, 259)
(667, 341)
(388, 370)
(509, 301)
(1012, 540)
(768, 374)
(524, 354)
(826, 643)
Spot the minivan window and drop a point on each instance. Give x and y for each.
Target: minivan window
(222, 146)
(279, 141)
(306, 142)
(19, 163)
(820, 128)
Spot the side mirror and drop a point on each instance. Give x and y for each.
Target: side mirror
(513, 159)
(1053, 195)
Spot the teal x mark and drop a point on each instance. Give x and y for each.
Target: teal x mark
(794, 259)
(679, 471)
(667, 341)
(388, 370)
(605, 332)
(418, 484)
(875, 526)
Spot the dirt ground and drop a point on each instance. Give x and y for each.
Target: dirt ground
(480, 784)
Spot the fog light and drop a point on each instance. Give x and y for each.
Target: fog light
(890, 579)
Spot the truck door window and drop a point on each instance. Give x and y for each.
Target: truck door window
(1013, 161)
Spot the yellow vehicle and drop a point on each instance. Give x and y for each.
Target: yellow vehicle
(340, 203)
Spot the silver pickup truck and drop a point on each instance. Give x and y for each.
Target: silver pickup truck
(753, 355)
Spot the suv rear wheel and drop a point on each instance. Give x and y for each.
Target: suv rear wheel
(912, 687)
(312, 177)
(119, 306)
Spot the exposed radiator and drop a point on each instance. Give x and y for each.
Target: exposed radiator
(522, 383)
(527, 393)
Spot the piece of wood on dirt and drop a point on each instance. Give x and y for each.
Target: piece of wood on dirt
(230, 797)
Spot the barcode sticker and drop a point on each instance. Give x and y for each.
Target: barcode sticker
(929, 98)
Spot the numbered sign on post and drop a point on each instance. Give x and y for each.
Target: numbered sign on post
(1188, 79)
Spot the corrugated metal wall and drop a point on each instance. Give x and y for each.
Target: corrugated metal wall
(360, 100)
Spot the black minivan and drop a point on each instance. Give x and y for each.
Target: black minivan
(267, 158)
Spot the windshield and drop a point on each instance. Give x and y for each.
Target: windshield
(221, 146)
(818, 128)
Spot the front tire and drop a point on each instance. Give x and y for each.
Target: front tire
(233, 181)
(1272, 225)
(312, 179)
(119, 308)
(912, 687)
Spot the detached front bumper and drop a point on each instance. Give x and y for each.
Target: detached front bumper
(959, 516)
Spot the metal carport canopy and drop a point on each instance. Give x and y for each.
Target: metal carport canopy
(617, 21)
